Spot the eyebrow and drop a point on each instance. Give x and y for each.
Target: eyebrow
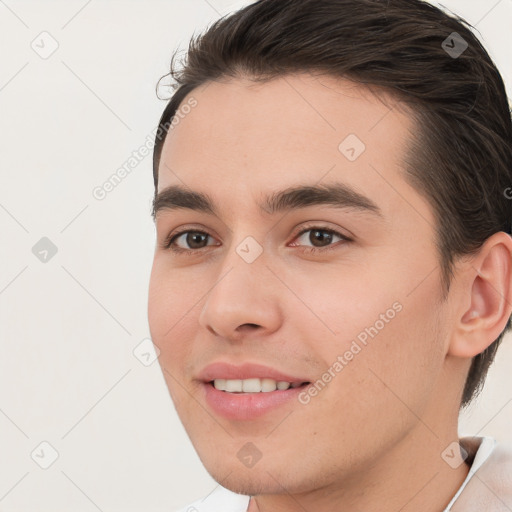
(337, 195)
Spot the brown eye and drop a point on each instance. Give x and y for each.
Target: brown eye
(195, 240)
(188, 241)
(319, 237)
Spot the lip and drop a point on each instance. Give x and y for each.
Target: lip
(224, 370)
(247, 406)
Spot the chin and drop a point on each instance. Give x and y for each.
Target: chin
(263, 478)
(248, 482)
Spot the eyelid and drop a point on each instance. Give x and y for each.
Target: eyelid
(320, 225)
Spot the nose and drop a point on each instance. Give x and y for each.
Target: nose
(242, 300)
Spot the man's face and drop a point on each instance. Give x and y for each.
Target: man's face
(344, 296)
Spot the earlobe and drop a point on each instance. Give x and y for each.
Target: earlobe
(489, 284)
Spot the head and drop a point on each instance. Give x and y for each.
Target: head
(370, 132)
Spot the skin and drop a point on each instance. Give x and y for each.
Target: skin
(372, 439)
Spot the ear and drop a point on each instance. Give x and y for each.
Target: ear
(487, 287)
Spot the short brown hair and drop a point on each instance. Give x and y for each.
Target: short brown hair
(460, 159)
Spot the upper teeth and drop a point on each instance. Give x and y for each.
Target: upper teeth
(252, 385)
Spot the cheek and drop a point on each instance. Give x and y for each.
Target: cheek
(167, 318)
(171, 297)
(173, 303)
(393, 380)
(368, 328)
(345, 303)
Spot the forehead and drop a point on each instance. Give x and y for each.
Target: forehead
(289, 130)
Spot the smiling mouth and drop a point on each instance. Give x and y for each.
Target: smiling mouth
(254, 385)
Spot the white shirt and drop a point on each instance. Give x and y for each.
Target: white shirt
(223, 500)
(484, 450)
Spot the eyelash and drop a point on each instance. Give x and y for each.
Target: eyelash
(169, 241)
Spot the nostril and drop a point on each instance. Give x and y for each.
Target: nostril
(247, 327)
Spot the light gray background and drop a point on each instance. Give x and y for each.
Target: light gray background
(68, 327)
